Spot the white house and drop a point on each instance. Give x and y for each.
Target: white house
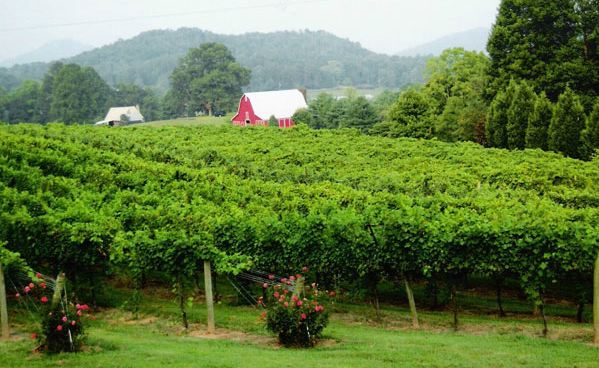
(122, 115)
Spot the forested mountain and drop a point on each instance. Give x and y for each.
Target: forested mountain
(311, 59)
(471, 40)
(50, 51)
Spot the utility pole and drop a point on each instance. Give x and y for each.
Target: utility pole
(209, 297)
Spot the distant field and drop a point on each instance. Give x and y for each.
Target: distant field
(341, 91)
(192, 121)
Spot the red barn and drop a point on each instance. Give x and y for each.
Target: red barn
(256, 108)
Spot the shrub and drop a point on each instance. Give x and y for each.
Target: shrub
(61, 325)
(294, 311)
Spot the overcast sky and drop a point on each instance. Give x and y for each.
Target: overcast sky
(380, 25)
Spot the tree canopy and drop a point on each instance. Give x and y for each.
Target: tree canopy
(208, 78)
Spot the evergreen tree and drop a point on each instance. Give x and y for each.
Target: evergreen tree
(321, 109)
(359, 114)
(497, 118)
(518, 114)
(544, 42)
(567, 124)
(591, 133)
(410, 116)
(536, 132)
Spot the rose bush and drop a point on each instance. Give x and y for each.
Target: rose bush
(294, 311)
(61, 327)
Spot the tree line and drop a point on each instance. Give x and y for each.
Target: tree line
(537, 88)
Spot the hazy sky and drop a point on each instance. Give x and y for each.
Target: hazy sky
(380, 25)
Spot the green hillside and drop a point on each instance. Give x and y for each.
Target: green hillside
(278, 60)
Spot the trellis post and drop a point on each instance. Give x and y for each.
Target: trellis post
(3, 307)
(596, 301)
(209, 297)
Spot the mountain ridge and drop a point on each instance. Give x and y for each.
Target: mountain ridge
(472, 40)
(284, 59)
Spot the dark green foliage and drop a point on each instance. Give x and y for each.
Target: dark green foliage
(518, 114)
(538, 123)
(79, 95)
(208, 78)
(358, 113)
(497, 118)
(273, 121)
(567, 124)
(20, 105)
(591, 133)
(410, 116)
(552, 44)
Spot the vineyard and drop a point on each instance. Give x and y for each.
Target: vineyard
(95, 202)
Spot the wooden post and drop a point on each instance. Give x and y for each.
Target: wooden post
(209, 297)
(412, 303)
(3, 307)
(58, 287)
(596, 301)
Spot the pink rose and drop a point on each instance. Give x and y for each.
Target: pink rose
(73, 323)
(271, 277)
(292, 278)
(44, 299)
(286, 304)
(304, 316)
(276, 294)
(299, 303)
(64, 318)
(27, 289)
(265, 285)
(59, 328)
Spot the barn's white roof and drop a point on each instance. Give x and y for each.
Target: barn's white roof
(281, 104)
(115, 113)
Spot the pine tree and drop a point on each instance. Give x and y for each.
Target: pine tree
(591, 133)
(536, 132)
(567, 123)
(549, 43)
(518, 114)
(496, 128)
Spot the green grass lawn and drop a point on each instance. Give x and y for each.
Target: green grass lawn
(354, 338)
(192, 121)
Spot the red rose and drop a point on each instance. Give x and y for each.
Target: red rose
(304, 316)
(299, 303)
(294, 298)
(38, 275)
(31, 285)
(44, 299)
(27, 289)
(43, 285)
(33, 336)
(59, 328)
(276, 294)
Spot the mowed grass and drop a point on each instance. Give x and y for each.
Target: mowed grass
(355, 338)
(191, 121)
